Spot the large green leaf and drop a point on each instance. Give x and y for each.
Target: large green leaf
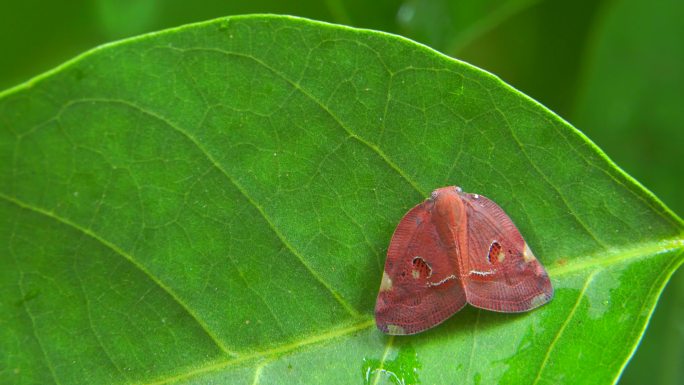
(211, 204)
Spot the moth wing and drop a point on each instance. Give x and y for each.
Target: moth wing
(501, 273)
(407, 302)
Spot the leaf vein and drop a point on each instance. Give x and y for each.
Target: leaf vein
(20, 284)
(279, 350)
(381, 366)
(323, 107)
(545, 361)
(554, 187)
(343, 302)
(650, 300)
(97, 336)
(474, 345)
(629, 254)
(127, 257)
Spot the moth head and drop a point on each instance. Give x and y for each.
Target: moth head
(445, 191)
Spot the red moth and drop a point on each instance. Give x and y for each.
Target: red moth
(456, 248)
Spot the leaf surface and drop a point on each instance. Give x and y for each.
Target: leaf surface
(212, 204)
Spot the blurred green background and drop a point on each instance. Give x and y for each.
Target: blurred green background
(614, 69)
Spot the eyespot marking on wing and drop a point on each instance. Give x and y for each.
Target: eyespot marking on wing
(496, 253)
(421, 269)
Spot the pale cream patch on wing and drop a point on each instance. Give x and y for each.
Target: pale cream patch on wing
(539, 300)
(527, 254)
(395, 330)
(386, 283)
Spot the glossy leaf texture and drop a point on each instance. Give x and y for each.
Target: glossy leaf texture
(213, 203)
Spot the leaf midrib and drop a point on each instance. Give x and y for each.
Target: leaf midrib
(214, 163)
(641, 250)
(565, 323)
(611, 257)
